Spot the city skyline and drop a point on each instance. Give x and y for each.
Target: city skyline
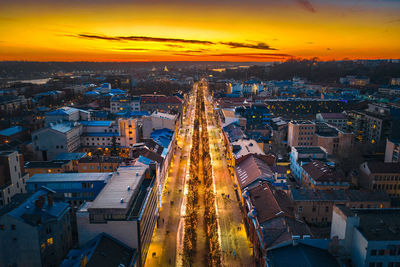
(198, 31)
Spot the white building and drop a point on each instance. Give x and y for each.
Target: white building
(157, 121)
(12, 178)
(66, 114)
(369, 237)
(124, 103)
(57, 138)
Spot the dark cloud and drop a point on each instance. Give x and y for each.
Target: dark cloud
(262, 46)
(328, 48)
(258, 45)
(142, 39)
(242, 55)
(306, 4)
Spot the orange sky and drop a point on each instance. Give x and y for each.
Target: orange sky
(155, 30)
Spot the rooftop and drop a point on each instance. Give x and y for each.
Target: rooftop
(320, 172)
(101, 159)
(96, 123)
(334, 116)
(69, 156)
(45, 164)
(383, 167)
(62, 111)
(11, 131)
(243, 147)
(164, 115)
(251, 169)
(63, 127)
(69, 177)
(154, 99)
(376, 224)
(338, 195)
(30, 214)
(124, 185)
(103, 250)
(302, 122)
(309, 150)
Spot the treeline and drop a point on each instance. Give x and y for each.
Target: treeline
(159, 87)
(379, 72)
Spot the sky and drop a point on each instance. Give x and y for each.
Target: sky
(193, 30)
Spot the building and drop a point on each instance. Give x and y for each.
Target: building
(229, 116)
(99, 164)
(273, 224)
(126, 209)
(76, 187)
(391, 91)
(368, 237)
(124, 103)
(103, 250)
(354, 80)
(334, 140)
(244, 147)
(12, 176)
(35, 230)
(302, 155)
(301, 133)
(318, 175)
(316, 206)
(251, 169)
(10, 134)
(74, 157)
(337, 119)
(381, 176)
(157, 121)
(54, 166)
(56, 138)
(66, 114)
(301, 253)
(392, 152)
(161, 103)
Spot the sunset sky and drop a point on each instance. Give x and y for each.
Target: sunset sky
(218, 30)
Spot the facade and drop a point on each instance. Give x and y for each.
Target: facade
(337, 119)
(334, 140)
(57, 138)
(318, 175)
(126, 209)
(381, 176)
(316, 206)
(124, 103)
(270, 225)
(302, 155)
(161, 103)
(301, 133)
(12, 176)
(11, 134)
(157, 121)
(76, 187)
(54, 166)
(66, 114)
(392, 152)
(35, 231)
(368, 237)
(99, 164)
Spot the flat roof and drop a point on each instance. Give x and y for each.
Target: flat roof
(309, 149)
(117, 188)
(69, 177)
(69, 156)
(45, 164)
(11, 131)
(163, 115)
(96, 123)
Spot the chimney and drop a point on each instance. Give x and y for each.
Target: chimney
(38, 204)
(50, 199)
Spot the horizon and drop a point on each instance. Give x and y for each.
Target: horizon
(228, 31)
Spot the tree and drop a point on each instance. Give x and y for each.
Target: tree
(113, 149)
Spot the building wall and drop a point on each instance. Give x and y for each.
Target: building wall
(359, 249)
(12, 180)
(124, 231)
(392, 152)
(67, 167)
(97, 166)
(20, 247)
(301, 134)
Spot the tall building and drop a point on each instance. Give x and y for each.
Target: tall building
(367, 237)
(12, 176)
(126, 209)
(35, 230)
(301, 133)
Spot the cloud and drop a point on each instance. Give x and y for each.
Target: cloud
(260, 45)
(172, 42)
(142, 39)
(306, 4)
(328, 48)
(241, 55)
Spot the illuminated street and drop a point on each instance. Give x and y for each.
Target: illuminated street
(167, 242)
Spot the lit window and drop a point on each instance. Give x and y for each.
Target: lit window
(50, 241)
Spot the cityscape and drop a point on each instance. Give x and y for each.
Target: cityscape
(200, 133)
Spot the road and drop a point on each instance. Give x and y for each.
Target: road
(168, 236)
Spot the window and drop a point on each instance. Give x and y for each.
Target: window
(314, 209)
(300, 209)
(381, 252)
(371, 264)
(50, 241)
(326, 209)
(373, 252)
(83, 185)
(2, 227)
(13, 227)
